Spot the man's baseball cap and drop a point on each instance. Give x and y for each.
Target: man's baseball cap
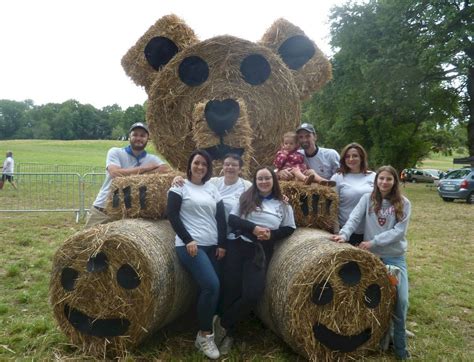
(139, 125)
(306, 127)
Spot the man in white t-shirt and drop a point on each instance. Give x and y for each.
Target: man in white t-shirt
(8, 169)
(127, 161)
(323, 161)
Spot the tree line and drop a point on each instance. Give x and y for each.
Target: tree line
(70, 120)
(403, 86)
(403, 79)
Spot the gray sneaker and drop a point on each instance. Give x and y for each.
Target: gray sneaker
(226, 345)
(207, 345)
(218, 330)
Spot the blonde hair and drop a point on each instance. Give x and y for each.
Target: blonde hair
(292, 135)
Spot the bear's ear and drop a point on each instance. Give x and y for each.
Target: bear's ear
(168, 36)
(307, 62)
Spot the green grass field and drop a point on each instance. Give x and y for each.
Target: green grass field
(441, 268)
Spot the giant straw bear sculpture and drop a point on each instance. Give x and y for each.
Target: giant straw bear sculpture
(223, 94)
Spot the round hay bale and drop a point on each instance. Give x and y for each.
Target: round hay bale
(314, 206)
(114, 284)
(140, 196)
(328, 301)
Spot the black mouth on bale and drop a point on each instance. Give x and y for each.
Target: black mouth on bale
(96, 327)
(218, 152)
(337, 342)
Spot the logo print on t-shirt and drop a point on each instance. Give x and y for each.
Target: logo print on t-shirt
(382, 221)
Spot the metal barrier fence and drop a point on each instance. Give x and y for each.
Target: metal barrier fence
(33, 167)
(51, 192)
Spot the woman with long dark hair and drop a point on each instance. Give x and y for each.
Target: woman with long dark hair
(197, 215)
(353, 179)
(259, 220)
(386, 214)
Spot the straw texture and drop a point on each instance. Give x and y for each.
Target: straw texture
(267, 108)
(141, 196)
(266, 111)
(88, 293)
(135, 63)
(314, 206)
(308, 259)
(313, 75)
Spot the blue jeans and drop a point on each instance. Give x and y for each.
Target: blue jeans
(203, 269)
(401, 305)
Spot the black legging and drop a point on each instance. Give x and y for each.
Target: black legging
(243, 283)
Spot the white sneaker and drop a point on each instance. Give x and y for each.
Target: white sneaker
(207, 345)
(218, 330)
(226, 345)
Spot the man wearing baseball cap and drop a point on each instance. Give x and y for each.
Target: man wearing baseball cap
(323, 161)
(130, 160)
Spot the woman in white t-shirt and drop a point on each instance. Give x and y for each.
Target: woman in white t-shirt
(230, 185)
(353, 180)
(259, 220)
(196, 212)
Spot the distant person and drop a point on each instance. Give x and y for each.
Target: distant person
(385, 214)
(320, 161)
(288, 158)
(353, 180)
(127, 161)
(8, 169)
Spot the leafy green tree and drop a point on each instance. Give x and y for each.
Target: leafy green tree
(12, 117)
(133, 114)
(384, 94)
(446, 30)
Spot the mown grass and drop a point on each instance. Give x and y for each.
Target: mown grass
(441, 245)
(440, 162)
(441, 276)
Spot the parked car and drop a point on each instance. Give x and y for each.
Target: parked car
(458, 184)
(423, 175)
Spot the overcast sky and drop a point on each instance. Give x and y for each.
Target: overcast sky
(55, 50)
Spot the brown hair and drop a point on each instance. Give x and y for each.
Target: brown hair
(394, 196)
(250, 199)
(364, 161)
(208, 159)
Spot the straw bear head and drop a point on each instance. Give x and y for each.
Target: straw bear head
(224, 94)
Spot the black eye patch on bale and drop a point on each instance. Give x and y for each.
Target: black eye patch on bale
(322, 293)
(159, 51)
(296, 51)
(68, 278)
(350, 273)
(97, 263)
(127, 277)
(193, 71)
(373, 295)
(255, 69)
